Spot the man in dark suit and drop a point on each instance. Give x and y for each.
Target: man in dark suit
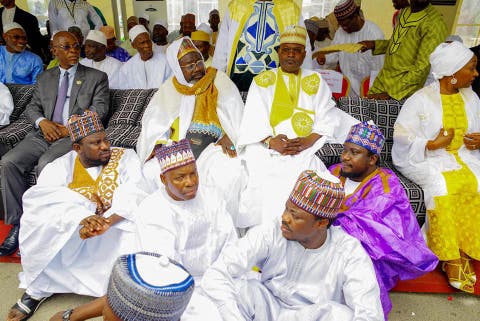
(28, 21)
(60, 92)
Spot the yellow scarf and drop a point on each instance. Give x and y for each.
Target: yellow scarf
(285, 99)
(206, 98)
(101, 190)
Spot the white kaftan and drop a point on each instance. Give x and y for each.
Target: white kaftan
(6, 105)
(334, 282)
(420, 120)
(215, 168)
(54, 257)
(357, 66)
(271, 176)
(109, 66)
(139, 74)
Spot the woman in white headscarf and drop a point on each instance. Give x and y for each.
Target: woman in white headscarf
(436, 145)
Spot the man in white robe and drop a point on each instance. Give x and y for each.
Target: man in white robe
(6, 105)
(147, 69)
(289, 114)
(77, 219)
(248, 36)
(309, 270)
(353, 29)
(203, 105)
(96, 55)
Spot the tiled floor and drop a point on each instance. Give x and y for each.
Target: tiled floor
(406, 306)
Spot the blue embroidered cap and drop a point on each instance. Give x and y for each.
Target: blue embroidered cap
(367, 135)
(149, 287)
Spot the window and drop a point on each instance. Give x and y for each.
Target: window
(319, 8)
(39, 9)
(468, 23)
(200, 8)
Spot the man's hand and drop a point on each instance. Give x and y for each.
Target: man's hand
(52, 131)
(284, 146)
(305, 142)
(321, 59)
(367, 45)
(57, 316)
(227, 146)
(472, 141)
(94, 225)
(443, 139)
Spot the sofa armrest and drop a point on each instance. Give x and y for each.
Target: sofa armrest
(330, 153)
(12, 134)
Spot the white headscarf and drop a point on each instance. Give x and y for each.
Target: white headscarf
(187, 105)
(448, 58)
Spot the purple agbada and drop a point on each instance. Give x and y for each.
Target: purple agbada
(379, 215)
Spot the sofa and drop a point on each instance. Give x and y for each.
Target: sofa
(384, 113)
(123, 125)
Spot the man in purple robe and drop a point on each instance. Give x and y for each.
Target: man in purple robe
(377, 212)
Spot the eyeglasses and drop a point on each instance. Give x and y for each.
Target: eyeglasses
(69, 47)
(191, 67)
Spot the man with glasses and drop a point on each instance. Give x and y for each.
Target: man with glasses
(60, 92)
(147, 69)
(17, 65)
(204, 106)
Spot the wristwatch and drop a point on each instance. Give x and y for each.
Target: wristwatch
(266, 142)
(66, 315)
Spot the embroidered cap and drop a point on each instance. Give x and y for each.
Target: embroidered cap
(317, 195)
(97, 36)
(186, 47)
(312, 25)
(11, 26)
(345, 9)
(213, 12)
(294, 34)
(367, 135)
(174, 155)
(81, 126)
(136, 31)
(149, 286)
(200, 35)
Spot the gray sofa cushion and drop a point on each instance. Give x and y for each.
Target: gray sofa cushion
(127, 105)
(21, 95)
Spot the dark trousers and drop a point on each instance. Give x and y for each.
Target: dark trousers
(16, 163)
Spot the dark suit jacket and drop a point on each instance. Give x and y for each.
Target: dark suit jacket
(30, 23)
(476, 82)
(89, 91)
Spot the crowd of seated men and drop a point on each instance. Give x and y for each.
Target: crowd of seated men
(228, 212)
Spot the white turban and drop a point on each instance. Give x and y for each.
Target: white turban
(205, 28)
(135, 31)
(97, 36)
(11, 26)
(448, 58)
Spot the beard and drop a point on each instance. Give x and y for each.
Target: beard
(349, 175)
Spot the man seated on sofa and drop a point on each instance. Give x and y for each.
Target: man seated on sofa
(60, 92)
(147, 69)
(18, 65)
(96, 55)
(77, 219)
(377, 212)
(310, 271)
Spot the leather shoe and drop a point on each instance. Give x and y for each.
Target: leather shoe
(10, 244)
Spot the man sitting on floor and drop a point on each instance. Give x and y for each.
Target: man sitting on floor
(377, 212)
(76, 220)
(204, 106)
(309, 270)
(147, 69)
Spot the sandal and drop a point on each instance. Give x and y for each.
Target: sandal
(462, 282)
(26, 306)
(467, 268)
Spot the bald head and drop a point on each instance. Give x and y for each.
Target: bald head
(66, 48)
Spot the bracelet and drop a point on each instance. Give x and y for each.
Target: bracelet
(66, 315)
(266, 142)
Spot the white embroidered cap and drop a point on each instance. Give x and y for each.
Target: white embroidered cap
(97, 36)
